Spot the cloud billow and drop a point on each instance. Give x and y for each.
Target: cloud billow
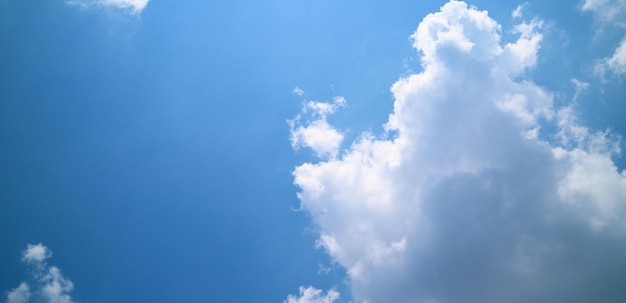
(468, 202)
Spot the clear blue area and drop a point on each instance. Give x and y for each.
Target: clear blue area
(151, 153)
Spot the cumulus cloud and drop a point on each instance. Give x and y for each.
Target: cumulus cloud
(469, 202)
(131, 6)
(313, 295)
(612, 12)
(51, 286)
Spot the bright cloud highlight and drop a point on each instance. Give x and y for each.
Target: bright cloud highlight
(470, 202)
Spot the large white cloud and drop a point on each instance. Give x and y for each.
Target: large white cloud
(466, 202)
(51, 286)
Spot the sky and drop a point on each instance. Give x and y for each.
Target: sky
(312, 151)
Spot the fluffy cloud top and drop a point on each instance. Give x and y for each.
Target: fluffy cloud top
(50, 284)
(467, 203)
(132, 6)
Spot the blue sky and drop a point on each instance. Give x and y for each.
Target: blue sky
(312, 151)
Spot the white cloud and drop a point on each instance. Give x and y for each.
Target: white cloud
(51, 286)
(313, 295)
(56, 287)
(580, 87)
(136, 6)
(467, 203)
(316, 133)
(298, 91)
(319, 136)
(607, 10)
(517, 13)
(612, 12)
(131, 6)
(21, 294)
(617, 62)
(36, 253)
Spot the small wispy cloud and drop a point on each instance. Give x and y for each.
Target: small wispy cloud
(517, 12)
(36, 253)
(49, 283)
(134, 7)
(298, 91)
(313, 295)
(311, 129)
(610, 12)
